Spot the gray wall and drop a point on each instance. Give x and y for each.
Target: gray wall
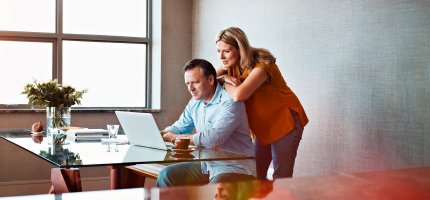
(360, 68)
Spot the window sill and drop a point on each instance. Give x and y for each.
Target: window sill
(83, 110)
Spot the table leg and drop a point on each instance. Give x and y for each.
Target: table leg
(115, 177)
(65, 180)
(121, 177)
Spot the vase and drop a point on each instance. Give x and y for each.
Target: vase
(56, 118)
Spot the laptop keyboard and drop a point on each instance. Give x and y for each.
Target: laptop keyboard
(169, 144)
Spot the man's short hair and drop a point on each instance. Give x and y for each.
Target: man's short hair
(206, 66)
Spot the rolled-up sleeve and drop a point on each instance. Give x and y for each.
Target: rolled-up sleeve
(185, 123)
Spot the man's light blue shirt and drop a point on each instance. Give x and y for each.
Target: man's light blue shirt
(222, 124)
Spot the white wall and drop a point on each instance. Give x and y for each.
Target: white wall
(360, 68)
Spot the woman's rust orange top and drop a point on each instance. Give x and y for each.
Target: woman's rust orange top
(269, 107)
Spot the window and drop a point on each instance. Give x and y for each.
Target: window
(100, 45)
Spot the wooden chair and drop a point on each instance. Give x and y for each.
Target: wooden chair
(143, 171)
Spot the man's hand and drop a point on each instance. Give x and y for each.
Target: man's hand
(168, 136)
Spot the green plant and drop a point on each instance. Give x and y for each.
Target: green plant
(63, 156)
(52, 94)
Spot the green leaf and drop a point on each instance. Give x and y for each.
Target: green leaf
(52, 94)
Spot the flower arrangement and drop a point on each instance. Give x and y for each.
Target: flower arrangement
(60, 155)
(57, 98)
(52, 94)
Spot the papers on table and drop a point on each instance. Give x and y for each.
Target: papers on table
(87, 134)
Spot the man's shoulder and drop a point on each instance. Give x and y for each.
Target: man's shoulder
(225, 98)
(222, 98)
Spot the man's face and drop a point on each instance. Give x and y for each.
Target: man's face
(198, 85)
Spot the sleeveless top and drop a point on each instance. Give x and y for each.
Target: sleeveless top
(269, 107)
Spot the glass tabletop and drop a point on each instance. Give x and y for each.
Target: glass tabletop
(86, 154)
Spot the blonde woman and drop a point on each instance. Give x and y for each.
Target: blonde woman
(275, 114)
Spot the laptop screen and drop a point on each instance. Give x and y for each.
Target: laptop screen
(141, 129)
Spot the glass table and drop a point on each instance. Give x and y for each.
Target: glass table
(71, 156)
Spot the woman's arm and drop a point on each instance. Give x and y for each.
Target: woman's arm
(243, 91)
(223, 77)
(220, 73)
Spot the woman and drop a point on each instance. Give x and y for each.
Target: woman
(275, 114)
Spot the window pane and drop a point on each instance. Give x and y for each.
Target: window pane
(113, 73)
(105, 17)
(21, 63)
(27, 15)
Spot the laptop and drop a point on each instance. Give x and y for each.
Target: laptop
(142, 130)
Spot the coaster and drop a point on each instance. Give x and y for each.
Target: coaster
(182, 151)
(186, 155)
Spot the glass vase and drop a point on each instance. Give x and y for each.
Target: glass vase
(56, 118)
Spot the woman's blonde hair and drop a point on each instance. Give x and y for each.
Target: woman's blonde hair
(249, 56)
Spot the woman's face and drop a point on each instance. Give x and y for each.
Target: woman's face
(228, 54)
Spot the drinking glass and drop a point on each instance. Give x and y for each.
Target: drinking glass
(113, 132)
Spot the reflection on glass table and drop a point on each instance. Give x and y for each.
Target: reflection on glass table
(385, 184)
(71, 155)
(94, 153)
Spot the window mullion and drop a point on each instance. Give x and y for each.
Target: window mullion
(58, 46)
(149, 54)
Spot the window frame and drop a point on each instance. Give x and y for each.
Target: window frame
(57, 39)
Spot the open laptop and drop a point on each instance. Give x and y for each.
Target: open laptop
(142, 130)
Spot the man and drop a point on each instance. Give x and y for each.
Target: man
(220, 123)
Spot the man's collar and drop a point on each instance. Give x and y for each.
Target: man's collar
(217, 96)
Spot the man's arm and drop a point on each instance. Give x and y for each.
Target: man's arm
(241, 92)
(181, 127)
(169, 136)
